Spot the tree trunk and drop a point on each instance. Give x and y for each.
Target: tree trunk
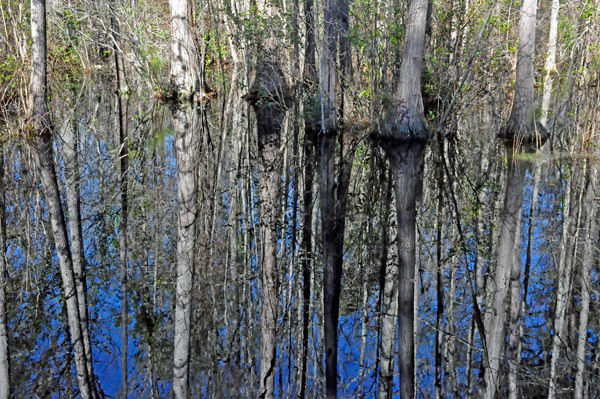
(333, 196)
(404, 138)
(550, 67)
(406, 163)
(270, 108)
(334, 193)
(521, 116)
(307, 250)
(42, 134)
(122, 93)
(71, 160)
(4, 348)
(586, 278)
(389, 307)
(184, 82)
(508, 265)
(563, 280)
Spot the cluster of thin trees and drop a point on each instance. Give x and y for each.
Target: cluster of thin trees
(280, 199)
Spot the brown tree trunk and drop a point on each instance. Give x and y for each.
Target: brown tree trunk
(42, 130)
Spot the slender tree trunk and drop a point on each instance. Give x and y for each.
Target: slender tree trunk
(550, 72)
(311, 129)
(508, 265)
(439, 319)
(42, 130)
(122, 93)
(564, 278)
(514, 330)
(588, 259)
(4, 348)
(389, 307)
(184, 81)
(404, 138)
(71, 159)
(307, 254)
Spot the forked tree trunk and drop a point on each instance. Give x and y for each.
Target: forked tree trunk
(4, 348)
(42, 130)
(71, 159)
(404, 137)
(184, 82)
(122, 93)
(508, 267)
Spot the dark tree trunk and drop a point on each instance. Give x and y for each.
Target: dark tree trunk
(269, 103)
(404, 137)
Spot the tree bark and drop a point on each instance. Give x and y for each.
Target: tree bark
(404, 136)
(334, 194)
(307, 250)
(184, 81)
(389, 307)
(508, 267)
(550, 67)
(270, 108)
(563, 282)
(71, 159)
(588, 259)
(521, 116)
(122, 93)
(4, 347)
(42, 130)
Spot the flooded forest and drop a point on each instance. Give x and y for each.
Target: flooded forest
(300, 199)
